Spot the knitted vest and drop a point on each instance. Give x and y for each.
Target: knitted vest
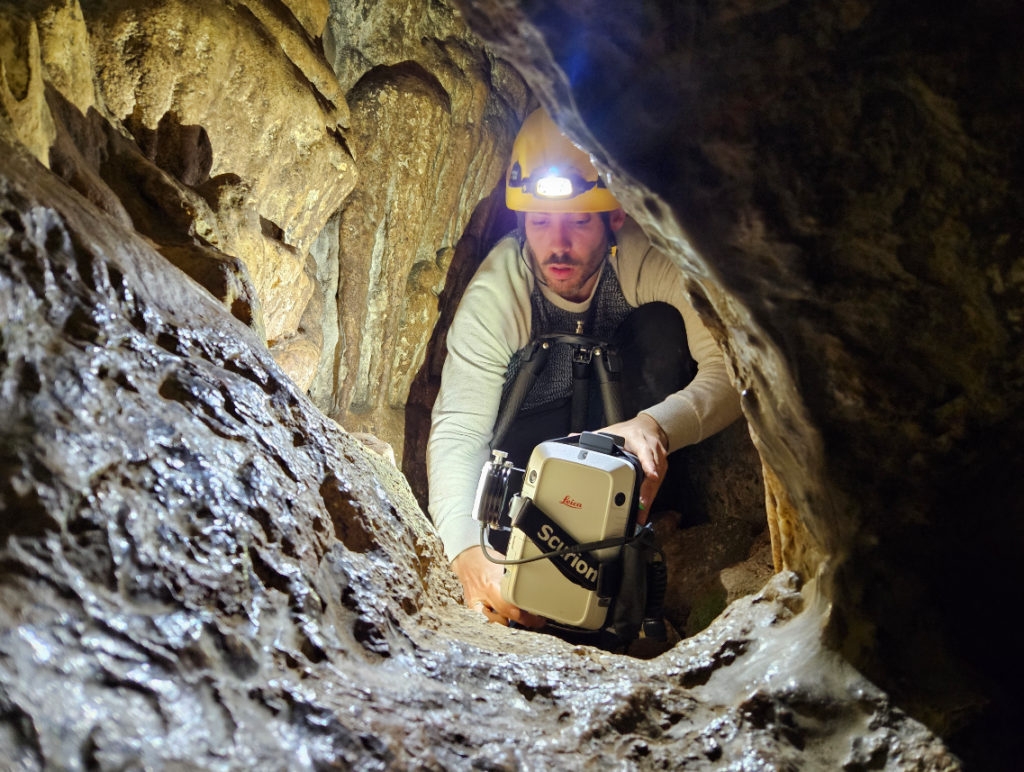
(607, 311)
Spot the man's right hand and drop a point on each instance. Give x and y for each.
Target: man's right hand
(481, 584)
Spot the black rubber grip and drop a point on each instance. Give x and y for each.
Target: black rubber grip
(580, 398)
(516, 397)
(612, 404)
(607, 365)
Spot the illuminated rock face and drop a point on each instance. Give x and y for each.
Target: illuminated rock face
(215, 129)
(843, 182)
(220, 131)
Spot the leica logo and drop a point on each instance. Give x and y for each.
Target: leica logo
(570, 503)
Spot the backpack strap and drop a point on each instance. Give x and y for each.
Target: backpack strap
(579, 567)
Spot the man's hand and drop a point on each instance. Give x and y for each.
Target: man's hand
(646, 440)
(481, 584)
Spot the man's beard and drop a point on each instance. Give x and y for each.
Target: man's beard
(575, 287)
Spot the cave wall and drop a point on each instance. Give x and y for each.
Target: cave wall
(842, 182)
(490, 222)
(228, 133)
(200, 571)
(434, 115)
(231, 164)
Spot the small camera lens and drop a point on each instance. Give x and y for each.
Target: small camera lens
(620, 499)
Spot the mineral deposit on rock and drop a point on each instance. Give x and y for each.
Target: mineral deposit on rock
(214, 128)
(433, 119)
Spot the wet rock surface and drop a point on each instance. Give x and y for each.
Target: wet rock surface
(842, 183)
(201, 572)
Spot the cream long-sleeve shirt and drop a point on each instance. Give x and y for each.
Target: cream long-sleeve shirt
(493, 322)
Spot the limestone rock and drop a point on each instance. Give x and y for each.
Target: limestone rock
(748, 577)
(433, 119)
(376, 445)
(65, 51)
(279, 270)
(723, 588)
(241, 89)
(200, 571)
(238, 152)
(696, 555)
(299, 354)
(298, 358)
(725, 471)
(267, 105)
(220, 126)
(793, 548)
(226, 278)
(311, 14)
(22, 92)
(491, 221)
(331, 366)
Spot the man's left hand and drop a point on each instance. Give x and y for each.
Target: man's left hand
(646, 440)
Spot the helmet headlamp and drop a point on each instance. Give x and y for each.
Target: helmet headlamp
(548, 173)
(552, 183)
(554, 187)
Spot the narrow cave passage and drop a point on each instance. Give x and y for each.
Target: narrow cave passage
(233, 237)
(719, 546)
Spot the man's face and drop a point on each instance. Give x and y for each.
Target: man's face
(568, 249)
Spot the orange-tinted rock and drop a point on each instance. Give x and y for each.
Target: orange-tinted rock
(433, 119)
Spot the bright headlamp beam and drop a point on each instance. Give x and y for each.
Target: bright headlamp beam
(554, 187)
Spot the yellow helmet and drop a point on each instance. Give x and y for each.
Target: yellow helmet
(548, 173)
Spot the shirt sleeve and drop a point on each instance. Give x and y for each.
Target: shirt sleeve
(710, 402)
(490, 325)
